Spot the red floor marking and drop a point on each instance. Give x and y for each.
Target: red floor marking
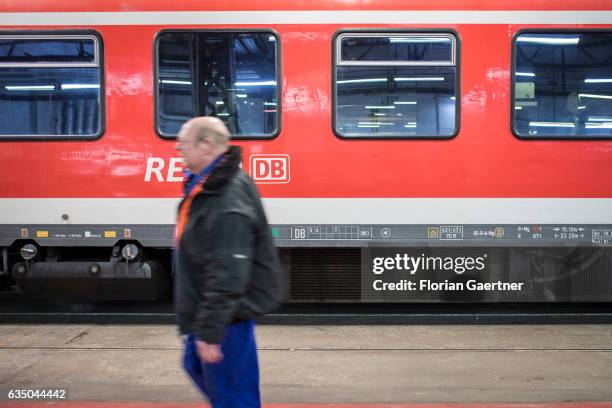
(129, 404)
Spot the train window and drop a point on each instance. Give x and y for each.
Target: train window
(231, 75)
(396, 85)
(562, 85)
(50, 86)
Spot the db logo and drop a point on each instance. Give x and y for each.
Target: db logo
(269, 168)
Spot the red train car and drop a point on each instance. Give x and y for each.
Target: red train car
(406, 151)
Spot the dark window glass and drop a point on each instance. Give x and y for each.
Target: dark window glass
(41, 50)
(388, 100)
(563, 85)
(176, 101)
(397, 48)
(62, 100)
(228, 75)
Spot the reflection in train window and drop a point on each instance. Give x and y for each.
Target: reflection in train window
(50, 86)
(562, 85)
(395, 85)
(231, 75)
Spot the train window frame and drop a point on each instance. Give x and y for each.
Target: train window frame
(456, 62)
(278, 62)
(544, 137)
(98, 62)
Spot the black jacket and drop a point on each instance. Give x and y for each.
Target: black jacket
(227, 267)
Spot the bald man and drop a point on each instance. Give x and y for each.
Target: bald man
(227, 270)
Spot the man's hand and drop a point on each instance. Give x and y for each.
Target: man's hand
(209, 353)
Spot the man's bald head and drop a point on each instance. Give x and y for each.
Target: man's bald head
(208, 127)
(200, 141)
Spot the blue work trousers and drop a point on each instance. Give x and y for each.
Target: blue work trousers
(234, 381)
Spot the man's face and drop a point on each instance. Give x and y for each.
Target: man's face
(193, 151)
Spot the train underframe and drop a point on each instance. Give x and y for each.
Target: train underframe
(323, 272)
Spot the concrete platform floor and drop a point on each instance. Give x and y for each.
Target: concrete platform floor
(324, 364)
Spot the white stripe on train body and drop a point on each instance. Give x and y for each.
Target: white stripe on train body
(306, 17)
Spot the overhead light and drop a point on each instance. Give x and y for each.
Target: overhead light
(405, 103)
(30, 87)
(376, 123)
(525, 74)
(404, 79)
(547, 40)
(379, 107)
(552, 124)
(241, 95)
(175, 82)
(581, 107)
(355, 81)
(80, 86)
(419, 40)
(269, 103)
(604, 125)
(255, 83)
(222, 114)
(594, 96)
(410, 125)
(597, 80)
(380, 114)
(518, 107)
(368, 126)
(600, 119)
(271, 38)
(452, 98)
(219, 103)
